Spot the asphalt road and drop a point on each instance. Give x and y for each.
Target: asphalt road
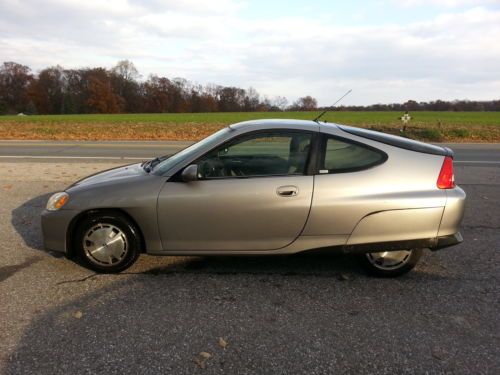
(277, 315)
(83, 151)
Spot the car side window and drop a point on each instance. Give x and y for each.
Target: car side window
(261, 154)
(345, 156)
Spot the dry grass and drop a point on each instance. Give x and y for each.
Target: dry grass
(106, 131)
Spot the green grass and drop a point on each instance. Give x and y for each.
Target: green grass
(427, 126)
(360, 118)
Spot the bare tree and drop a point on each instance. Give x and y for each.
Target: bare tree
(124, 76)
(280, 102)
(306, 103)
(251, 101)
(126, 70)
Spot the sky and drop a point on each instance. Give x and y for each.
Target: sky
(384, 50)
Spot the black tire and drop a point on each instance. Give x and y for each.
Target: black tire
(406, 267)
(128, 230)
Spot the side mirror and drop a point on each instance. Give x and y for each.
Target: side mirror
(190, 173)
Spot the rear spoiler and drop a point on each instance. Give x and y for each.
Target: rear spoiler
(394, 140)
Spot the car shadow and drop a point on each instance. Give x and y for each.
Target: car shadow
(332, 264)
(25, 219)
(275, 313)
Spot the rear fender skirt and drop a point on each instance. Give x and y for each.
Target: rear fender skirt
(397, 225)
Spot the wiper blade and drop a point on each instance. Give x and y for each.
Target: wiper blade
(147, 165)
(155, 161)
(150, 164)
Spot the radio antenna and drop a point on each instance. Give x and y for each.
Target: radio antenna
(326, 110)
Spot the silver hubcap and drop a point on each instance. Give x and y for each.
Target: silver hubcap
(105, 244)
(389, 260)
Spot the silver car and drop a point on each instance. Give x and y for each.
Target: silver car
(267, 187)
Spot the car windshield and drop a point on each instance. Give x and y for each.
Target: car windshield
(184, 154)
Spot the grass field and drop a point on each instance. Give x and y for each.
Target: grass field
(427, 126)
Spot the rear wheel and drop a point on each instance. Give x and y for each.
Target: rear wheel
(390, 263)
(107, 242)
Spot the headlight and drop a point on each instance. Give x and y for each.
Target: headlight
(57, 201)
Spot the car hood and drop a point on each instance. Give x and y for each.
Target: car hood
(114, 174)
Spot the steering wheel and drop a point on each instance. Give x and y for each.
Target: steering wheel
(213, 168)
(233, 167)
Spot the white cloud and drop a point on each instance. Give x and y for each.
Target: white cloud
(453, 55)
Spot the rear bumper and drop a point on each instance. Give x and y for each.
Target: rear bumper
(453, 212)
(447, 241)
(433, 244)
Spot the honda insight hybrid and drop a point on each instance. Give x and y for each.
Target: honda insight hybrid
(267, 187)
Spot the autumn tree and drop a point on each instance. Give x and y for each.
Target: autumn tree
(208, 103)
(75, 92)
(209, 98)
(100, 95)
(157, 94)
(179, 91)
(231, 99)
(201, 100)
(14, 82)
(411, 105)
(47, 91)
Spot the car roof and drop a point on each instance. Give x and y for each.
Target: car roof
(276, 123)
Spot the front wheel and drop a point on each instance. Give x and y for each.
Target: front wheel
(107, 242)
(390, 263)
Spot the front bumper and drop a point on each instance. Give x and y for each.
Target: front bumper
(55, 226)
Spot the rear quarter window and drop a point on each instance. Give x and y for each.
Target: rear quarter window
(345, 156)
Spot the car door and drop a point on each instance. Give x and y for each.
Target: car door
(252, 193)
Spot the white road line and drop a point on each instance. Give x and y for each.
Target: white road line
(73, 157)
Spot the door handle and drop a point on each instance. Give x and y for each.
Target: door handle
(287, 191)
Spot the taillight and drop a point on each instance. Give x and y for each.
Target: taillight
(446, 179)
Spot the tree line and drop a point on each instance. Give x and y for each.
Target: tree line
(56, 90)
(437, 105)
